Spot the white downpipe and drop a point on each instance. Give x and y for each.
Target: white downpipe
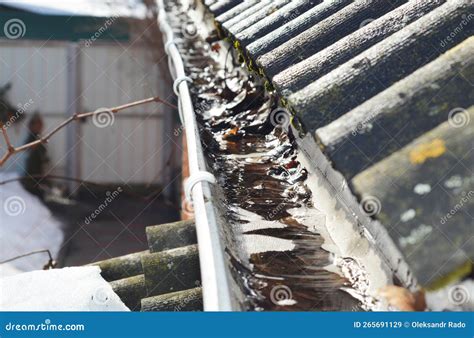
(215, 285)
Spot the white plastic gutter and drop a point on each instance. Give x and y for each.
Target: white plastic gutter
(215, 285)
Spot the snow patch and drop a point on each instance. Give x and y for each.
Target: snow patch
(26, 225)
(68, 289)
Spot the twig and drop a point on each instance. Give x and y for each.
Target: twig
(28, 254)
(78, 116)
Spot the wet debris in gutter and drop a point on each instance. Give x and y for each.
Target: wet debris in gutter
(251, 149)
(255, 160)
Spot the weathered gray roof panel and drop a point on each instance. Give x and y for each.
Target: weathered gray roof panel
(294, 27)
(325, 33)
(171, 270)
(168, 271)
(375, 78)
(187, 300)
(234, 11)
(222, 6)
(276, 19)
(307, 71)
(426, 193)
(401, 113)
(379, 67)
(256, 16)
(172, 235)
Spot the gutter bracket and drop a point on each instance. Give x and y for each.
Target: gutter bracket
(168, 45)
(178, 81)
(191, 181)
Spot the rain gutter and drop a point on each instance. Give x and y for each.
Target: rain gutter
(214, 277)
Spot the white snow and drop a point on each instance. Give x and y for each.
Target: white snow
(97, 8)
(68, 289)
(25, 225)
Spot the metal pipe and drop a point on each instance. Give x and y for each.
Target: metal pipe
(214, 277)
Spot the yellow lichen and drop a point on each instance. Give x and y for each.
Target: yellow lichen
(422, 152)
(454, 276)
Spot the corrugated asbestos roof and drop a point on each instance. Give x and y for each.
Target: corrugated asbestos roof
(164, 278)
(386, 87)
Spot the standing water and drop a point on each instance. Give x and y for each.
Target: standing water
(273, 229)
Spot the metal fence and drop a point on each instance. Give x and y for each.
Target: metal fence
(57, 79)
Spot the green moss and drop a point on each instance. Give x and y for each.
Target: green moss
(250, 65)
(457, 274)
(298, 126)
(269, 86)
(219, 30)
(237, 45)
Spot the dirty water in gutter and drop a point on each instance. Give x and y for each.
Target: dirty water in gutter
(252, 151)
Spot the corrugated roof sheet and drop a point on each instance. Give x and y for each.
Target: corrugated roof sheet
(164, 278)
(386, 87)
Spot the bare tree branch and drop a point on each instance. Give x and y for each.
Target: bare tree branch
(76, 117)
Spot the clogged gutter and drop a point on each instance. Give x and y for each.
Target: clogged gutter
(274, 232)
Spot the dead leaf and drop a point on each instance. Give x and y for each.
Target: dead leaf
(216, 47)
(403, 299)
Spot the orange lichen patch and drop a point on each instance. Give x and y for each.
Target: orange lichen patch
(422, 152)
